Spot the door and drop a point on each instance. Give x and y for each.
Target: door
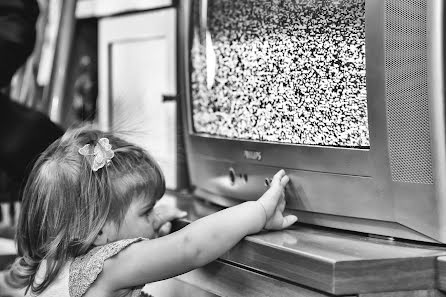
(136, 69)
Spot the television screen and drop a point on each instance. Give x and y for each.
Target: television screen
(290, 71)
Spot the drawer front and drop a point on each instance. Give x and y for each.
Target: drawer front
(222, 279)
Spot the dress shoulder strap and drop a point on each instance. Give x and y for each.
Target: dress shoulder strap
(85, 269)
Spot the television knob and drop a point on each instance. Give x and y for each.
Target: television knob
(232, 175)
(268, 181)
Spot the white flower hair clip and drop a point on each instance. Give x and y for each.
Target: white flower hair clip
(102, 153)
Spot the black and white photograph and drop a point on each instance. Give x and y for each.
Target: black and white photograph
(222, 148)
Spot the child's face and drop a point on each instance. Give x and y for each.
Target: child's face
(138, 221)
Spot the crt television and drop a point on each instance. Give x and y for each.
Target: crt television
(346, 95)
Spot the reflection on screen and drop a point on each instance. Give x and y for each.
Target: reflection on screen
(289, 71)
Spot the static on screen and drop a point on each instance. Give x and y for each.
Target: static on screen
(289, 71)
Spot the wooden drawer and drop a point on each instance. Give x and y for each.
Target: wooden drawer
(223, 279)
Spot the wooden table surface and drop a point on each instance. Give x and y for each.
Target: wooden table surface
(332, 261)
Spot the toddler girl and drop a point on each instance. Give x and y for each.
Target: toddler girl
(87, 225)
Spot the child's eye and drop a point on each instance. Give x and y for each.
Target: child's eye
(148, 211)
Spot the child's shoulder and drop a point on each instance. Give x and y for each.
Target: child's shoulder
(85, 269)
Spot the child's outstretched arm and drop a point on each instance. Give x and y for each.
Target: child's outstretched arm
(200, 242)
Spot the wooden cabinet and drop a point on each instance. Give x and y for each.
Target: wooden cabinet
(137, 72)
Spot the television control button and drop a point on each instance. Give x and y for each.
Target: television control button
(232, 175)
(268, 181)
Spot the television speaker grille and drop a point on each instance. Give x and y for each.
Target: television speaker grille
(407, 91)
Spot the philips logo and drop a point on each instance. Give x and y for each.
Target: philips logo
(252, 155)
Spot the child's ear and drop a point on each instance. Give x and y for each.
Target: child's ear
(106, 234)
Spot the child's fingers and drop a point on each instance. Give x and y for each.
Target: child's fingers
(271, 199)
(284, 181)
(166, 214)
(278, 177)
(288, 221)
(165, 229)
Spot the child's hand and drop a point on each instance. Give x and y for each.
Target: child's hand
(273, 201)
(163, 215)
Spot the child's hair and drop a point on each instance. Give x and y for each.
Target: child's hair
(66, 203)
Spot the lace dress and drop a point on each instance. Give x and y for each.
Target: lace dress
(77, 276)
